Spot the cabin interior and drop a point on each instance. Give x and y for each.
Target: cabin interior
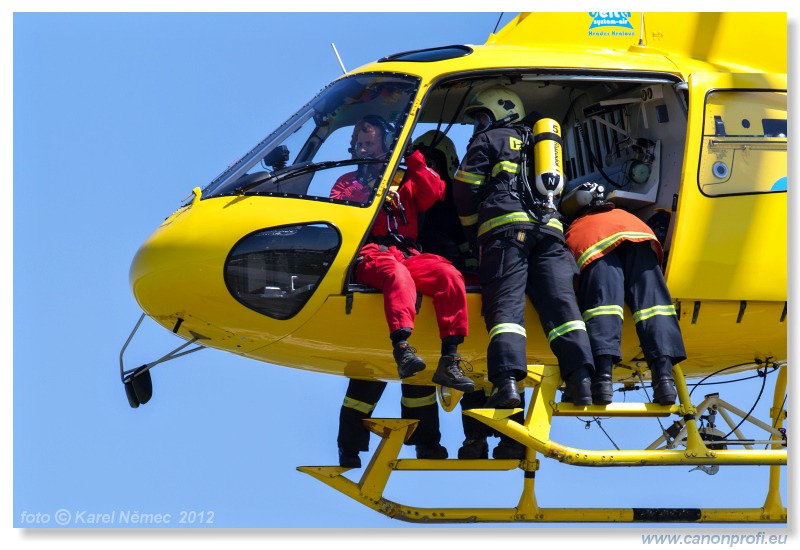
(626, 133)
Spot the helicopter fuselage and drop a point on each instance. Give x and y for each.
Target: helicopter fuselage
(259, 263)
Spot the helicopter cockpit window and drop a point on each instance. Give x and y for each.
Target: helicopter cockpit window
(305, 156)
(275, 271)
(744, 143)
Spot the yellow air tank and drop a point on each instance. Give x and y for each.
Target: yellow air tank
(548, 160)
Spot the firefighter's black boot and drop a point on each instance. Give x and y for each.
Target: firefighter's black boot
(664, 392)
(509, 449)
(450, 374)
(408, 363)
(602, 386)
(432, 451)
(474, 447)
(348, 458)
(579, 386)
(504, 395)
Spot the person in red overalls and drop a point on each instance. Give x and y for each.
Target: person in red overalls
(391, 261)
(619, 258)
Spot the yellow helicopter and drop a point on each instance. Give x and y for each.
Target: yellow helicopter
(680, 117)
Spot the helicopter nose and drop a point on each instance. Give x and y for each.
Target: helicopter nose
(177, 278)
(171, 275)
(223, 276)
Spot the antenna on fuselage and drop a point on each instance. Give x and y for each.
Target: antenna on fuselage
(641, 29)
(339, 58)
(498, 22)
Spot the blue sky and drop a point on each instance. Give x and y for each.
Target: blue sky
(117, 116)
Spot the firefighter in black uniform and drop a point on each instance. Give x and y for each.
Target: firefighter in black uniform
(521, 251)
(417, 402)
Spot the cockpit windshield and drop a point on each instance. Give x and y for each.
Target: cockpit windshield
(322, 143)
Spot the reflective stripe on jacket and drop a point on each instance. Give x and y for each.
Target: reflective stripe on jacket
(485, 187)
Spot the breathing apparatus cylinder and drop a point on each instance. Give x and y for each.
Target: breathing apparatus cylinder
(548, 162)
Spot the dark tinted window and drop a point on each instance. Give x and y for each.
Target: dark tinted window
(427, 56)
(275, 271)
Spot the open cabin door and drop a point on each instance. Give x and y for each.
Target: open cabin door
(730, 234)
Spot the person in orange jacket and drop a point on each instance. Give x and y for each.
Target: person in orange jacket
(619, 259)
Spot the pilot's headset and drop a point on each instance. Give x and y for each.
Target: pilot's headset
(386, 130)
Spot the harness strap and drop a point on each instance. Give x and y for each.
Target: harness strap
(404, 244)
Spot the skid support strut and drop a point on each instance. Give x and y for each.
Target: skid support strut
(534, 433)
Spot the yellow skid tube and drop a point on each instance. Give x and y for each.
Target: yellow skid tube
(534, 434)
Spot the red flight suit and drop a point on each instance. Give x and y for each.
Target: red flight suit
(398, 268)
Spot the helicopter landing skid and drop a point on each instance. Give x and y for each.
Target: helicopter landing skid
(534, 434)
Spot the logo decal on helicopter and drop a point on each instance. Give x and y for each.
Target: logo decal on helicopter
(602, 20)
